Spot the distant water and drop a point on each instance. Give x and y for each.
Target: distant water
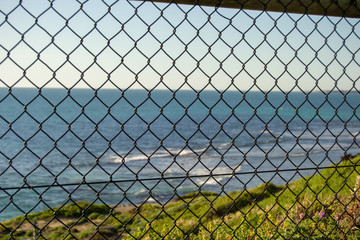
(124, 136)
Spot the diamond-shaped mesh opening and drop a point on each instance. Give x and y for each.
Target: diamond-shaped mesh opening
(204, 120)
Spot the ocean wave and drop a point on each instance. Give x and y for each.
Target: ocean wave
(265, 131)
(139, 157)
(224, 146)
(314, 151)
(225, 172)
(183, 155)
(159, 154)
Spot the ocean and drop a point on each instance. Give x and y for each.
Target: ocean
(126, 148)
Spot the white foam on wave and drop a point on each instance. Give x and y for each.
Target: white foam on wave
(159, 154)
(224, 146)
(185, 154)
(215, 180)
(265, 131)
(296, 154)
(127, 159)
(210, 181)
(140, 157)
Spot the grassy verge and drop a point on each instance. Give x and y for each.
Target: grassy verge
(322, 206)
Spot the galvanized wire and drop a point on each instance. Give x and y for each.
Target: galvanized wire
(160, 52)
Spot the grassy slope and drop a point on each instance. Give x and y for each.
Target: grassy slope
(321, 206)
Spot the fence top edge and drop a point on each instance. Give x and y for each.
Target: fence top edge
(339, 8)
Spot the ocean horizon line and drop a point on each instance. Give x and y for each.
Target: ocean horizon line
(244, 91)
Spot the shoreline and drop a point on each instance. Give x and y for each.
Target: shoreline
(194, 213)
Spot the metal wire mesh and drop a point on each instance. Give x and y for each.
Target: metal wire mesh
(132, 119)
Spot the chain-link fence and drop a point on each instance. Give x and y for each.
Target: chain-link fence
(133, 119)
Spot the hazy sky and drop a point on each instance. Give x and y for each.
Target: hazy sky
(106, 43)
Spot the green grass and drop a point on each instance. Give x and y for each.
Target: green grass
(321, 206)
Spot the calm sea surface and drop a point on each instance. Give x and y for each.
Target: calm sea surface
(124, 136)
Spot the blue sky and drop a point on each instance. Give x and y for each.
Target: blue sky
(182, 46)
